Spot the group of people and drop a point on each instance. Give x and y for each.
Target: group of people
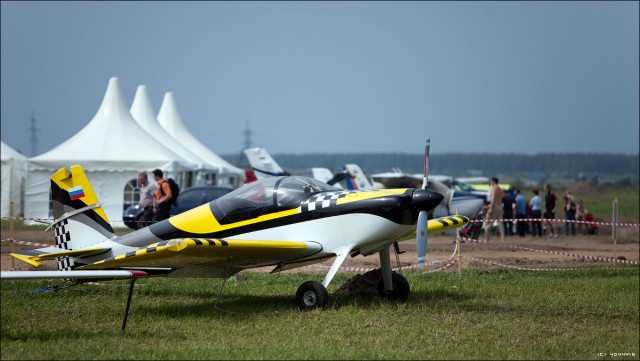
(155, 198)
(505, 204)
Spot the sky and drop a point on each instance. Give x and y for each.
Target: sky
(329, 77)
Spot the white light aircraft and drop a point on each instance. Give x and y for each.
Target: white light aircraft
(282, 221)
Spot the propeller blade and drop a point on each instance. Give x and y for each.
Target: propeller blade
(421, 226)
(426, 164)
(421, 237)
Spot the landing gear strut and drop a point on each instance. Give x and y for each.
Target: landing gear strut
(400, 290)
(392, 286)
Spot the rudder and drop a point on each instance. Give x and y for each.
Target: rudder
(79, 219)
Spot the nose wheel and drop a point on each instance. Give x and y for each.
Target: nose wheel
(310, 295)
(400, 290)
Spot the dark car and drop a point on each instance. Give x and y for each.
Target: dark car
(187, 199)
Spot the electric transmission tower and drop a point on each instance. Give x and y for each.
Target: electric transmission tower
(33, 138)
(247, 144)
(247, 135)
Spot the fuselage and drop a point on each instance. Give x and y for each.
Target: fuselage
(294, 209)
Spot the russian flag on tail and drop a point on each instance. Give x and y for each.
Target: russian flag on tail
(76, 192)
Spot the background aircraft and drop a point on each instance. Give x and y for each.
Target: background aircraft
(352, 177)
(463, 202)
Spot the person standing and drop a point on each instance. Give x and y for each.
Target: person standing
(507, 213)
(494, 208)
(162, 199)
(536, 213)
(550, 203)
(569, 214)
(521, 213)
(147, 193)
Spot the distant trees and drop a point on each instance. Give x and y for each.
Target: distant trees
(458, 164)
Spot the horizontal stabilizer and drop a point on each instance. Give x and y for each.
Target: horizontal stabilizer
(47, 255)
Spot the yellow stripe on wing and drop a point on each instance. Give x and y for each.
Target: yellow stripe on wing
(441, 224)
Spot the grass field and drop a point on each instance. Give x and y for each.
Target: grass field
(600, 203)
(500, 314)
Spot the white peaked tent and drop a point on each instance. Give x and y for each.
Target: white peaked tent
(171, 121)
(143, 113)
(14, 174)
(112, 148)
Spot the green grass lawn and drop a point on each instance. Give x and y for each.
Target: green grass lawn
(502, 314)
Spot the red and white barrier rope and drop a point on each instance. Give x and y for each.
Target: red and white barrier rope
(539, 269)
(430, 263)
(554, 220)
(517, 267)
(470, 221)
(367, 269)
(36, 244)
(593, 258)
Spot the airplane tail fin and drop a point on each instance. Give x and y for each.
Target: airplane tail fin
(358, 179)
(262, 164)
(79, 219)
(325, 175)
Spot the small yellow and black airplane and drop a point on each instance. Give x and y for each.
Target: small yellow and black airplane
(284, 222)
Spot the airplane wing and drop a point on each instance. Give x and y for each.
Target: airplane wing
(211, 254)
(439, 225)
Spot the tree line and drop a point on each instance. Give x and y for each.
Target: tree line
(463, 164)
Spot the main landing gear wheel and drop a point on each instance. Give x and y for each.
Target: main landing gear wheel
(400, 291)
(310, 295)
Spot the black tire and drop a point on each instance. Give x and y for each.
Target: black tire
(311, 295)
(400, 291)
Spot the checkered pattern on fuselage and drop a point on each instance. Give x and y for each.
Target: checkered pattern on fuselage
(323, 200)
(62, 241)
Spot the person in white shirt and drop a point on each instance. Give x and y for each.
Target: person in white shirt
(147, 191)
(536, 213)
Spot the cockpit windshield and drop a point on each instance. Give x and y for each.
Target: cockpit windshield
(249, 197)
(292, 190)
(254, 199)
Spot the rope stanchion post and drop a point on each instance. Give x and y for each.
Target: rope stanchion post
(11, 245)
(614, 227)
(458, 248)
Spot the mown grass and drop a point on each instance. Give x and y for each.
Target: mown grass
(601, 204)
(500, 314)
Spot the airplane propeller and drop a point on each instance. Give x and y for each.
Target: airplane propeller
(421, 226)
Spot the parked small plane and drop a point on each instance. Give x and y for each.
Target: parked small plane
(455, 201)
(351, 178)
(281, 221)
